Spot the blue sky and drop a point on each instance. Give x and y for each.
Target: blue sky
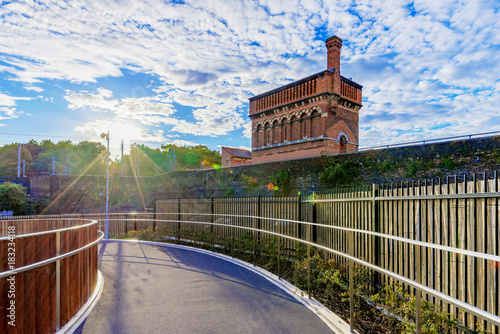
(158, 72)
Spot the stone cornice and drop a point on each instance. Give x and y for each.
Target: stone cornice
(307, 101)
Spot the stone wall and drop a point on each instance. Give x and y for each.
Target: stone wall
(69, 193)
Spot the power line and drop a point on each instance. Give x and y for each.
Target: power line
(32, 135)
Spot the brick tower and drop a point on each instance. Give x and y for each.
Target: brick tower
(315, 115)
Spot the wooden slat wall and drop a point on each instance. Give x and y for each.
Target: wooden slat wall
(35, 296)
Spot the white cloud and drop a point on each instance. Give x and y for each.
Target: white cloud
(428, 67)
(34, 88)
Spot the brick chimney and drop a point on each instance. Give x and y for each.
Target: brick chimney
(333, 45)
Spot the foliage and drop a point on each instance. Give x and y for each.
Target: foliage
(340, 173)
(401, 305)
(190, 157)
(132, 234)
(13, 197)
(8, 159)
(412, 169)
(448, 163)
(84, 158)
(282, 179)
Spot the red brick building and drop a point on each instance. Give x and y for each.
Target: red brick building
(315, 115)
(234, 156)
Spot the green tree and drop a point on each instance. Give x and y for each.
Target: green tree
(13, 197)
(8, 159)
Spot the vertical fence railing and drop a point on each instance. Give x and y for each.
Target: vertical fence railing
(461, 212)
(353, 258)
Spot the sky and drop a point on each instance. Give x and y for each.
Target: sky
(158, 72)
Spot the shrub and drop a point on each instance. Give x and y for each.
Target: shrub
(132, 234)
(448, 163)
(282, 179)
(340, 173)
(412, 169)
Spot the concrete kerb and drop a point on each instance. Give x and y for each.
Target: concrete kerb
(73, 325)
(333, 321)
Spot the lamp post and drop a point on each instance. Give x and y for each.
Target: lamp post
(106, 222)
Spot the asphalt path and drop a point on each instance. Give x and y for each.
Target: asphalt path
(154, 289)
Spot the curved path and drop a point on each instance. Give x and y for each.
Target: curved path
(165, 289)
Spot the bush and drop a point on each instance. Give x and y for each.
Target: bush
(448, 163)
(340, 173)
(282, 179)
(13, 197)
(411, 169)
(132, 234)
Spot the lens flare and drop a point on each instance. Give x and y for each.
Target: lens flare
(276, 188)
(313, 197)
(270, 186)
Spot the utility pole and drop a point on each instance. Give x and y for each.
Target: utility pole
(19, 160)
(137, 155)
(106, 223)
(53, 165)
(121, 164)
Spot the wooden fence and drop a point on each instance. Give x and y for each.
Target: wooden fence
(34, 292)
(456, 211)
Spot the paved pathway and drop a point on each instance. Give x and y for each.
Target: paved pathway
(153, 289)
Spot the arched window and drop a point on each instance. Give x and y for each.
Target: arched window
(343, 140)
(303, 126)
(258, 136)
(316, 126)
(276, 133)
(294, 128)
(285, 128)
(267, 134)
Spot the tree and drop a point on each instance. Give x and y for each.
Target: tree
(13, 197)
(8, 158)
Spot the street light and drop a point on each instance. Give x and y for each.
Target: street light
(106, 222)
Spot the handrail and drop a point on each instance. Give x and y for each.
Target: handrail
(50, 231)
(59, 271)
(461, 251)
(52, 259)
(494, 319)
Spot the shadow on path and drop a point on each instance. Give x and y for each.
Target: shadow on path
(155, 289)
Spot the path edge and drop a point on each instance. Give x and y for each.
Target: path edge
(332, 320)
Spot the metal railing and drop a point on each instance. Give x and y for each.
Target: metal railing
(383, 147)
(57, 259)
(350, 232)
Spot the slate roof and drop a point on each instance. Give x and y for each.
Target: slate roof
(239, 153)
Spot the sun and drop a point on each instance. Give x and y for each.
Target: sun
(127, 132)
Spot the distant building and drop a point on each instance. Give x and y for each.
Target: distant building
(314, 115)
(235, 156)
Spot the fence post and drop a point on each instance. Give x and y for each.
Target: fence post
(309, 262)
(212, 220)
(254, 234)
(58, 282)
(126, 223)
(350, 236)
(259, 224)
(279, 249)
(314, 220)
(178, 233)
(376, 228)
(88, 263)
(299, 214)
(418, 292)
(154, 215)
